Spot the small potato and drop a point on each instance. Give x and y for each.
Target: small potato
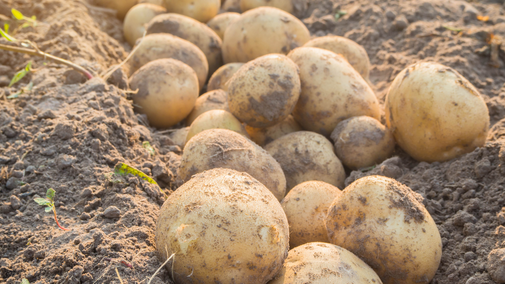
(383, 223)
(435, 114)
(137, 17)
(220, 22)
(306, 156)
(264, 91)
(295, 7)
(323, 263)
(332, 91)
(216, 118)
(157, 46)
(223, 148)
(354, 53)
(179, 136)
(362, 141)
(223, 227)
(200, 10)
(263, 136)
(306, 206)
(211, 100)
(263, 31)
(193, 31)
(167, 91)
(222, 75)
(231, 6)
(121, 6)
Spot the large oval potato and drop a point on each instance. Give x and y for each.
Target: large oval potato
(216, 99)
(381, 221)
(435, 114)
(219, 79)
(331, 91)
(167, 91)
(136, 18)
(306, 156)
(263, 31)
(354, 53)
(223, 227)
(216, 118)
(200, 10)
(157, 46)
(263, 136)
(295, 7)
(264, 91)
(121, 6)
(222, 148)
(220, 23)
(193, 31)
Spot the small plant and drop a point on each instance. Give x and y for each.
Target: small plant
(149, 148)
(25, 281)
(29, 21)
(21, 74)
(49, 203)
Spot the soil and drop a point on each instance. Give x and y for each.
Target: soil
(68, 134)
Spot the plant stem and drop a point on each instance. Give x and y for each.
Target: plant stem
(58, 223)
(39, 53)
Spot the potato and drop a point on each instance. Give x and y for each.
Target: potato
(435, 114)
(219, 79)
(200, 10)
(264, 91)
(223, 227)
(156, 2)
(167, 91)
(306, 156)
(263, 136)
(121, 6)
(220, 22)
(362, 141)
(223, 148)
(306, 206)
(193, 31)
(179, 136)
(381, 221)
(263, 31)
(216, 118)
(211, 100)
(354, 53)
(231, 6)
(136, 18)
(322, 263)
(295, 7)
(157, 46)
(332, 91)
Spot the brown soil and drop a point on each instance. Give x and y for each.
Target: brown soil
(68, 135)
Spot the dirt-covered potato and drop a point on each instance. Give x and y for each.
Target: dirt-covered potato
(200, 10)
(306, 206)
(295, 7)
(331, 91)
(323, 263)
(219, 79)
(263, 136)
(136, 18)
(354, 53)
(362, 141)
(179, 136)
(220, 22)
(121, 6)
(264, 91)
(263, 31)
(222, 148)
(383, 223)
(216, 99)
(306, 156)
(216, 118)
(223, 227)
(193, 31)
(435, 114)
(157, 46)
(167, 91)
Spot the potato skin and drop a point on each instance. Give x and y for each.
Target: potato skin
(306, 206)
(264, 91)
(200, 10)
(167, 91)
(220, 22)
(331, 91)
(306, 156)
(219, 79)
(295, 7)
(224, 227)
(262, 31)
(381, 221)
(136, 18)
(263, 136)
(362, 142)
(179, 136)
(435, 114)
(223, 148)
(216, 99)
(216, 118)
(121, 6)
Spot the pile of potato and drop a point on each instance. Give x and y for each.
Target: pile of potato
(270, 121)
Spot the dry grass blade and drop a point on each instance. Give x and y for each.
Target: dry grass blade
(118, 276)
(168, 259)
(108, 74)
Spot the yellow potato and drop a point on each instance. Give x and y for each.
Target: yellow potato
(263, 136)
(222, 75)
(156, 2)
(263, 31)
(216, 118)
(200, 10)
(295, 7)
(136, 18)
(216, 99)
(121, 6)
(220, 22)
(435, 114)
(331, 91)
(179, 136)
(231, 6)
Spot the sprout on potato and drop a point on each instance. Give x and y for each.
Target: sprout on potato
(200, 10)
(263, 136)
(220, 23)
(219, 79)
(137, 17)
(216, 118)
(216, 99)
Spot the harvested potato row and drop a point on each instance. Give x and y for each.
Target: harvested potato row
(179, 136)
(222, 148)
(306, 156)
(216, 118)
(136, 18)
(220, 23)
(295, 7)
(216, 99)
(263, 136)
(219, 79)
(223, 227)
(200, 10)
(121, 6)
(385, 224)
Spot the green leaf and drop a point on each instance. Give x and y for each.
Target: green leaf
(18, 15)
(15, 95)
(20, 75)
(6, 28)
(6, 36)
(50, 194)
(339, 14)
(28, 67)
(34, 18)
(124, 169)
(25, 25)
(148, 147)
(25, 281)
(42, 201)
(48, 209)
